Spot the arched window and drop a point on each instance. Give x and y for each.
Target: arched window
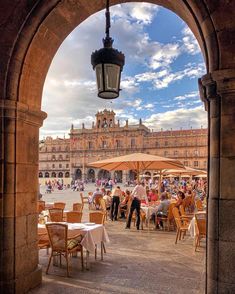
(53, 175)
(40, 175)
(60, 175)
(67, 174)
(47, 175)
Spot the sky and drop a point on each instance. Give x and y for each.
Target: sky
(159, 81)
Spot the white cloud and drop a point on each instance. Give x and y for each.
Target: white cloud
(164, 78)
(129, 85)
(185, 118)
(190, 43)
(194, 94)
(142, 12)
(164, 55)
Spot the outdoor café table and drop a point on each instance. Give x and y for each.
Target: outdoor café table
(149, 210)
(49, 205)
(192, 225)
(93, 234)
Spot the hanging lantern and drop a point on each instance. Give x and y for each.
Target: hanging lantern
(108, 64)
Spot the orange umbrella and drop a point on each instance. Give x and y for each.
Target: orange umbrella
(186, 171)
(138, 162)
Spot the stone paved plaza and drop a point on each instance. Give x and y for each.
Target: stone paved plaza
(136, 262)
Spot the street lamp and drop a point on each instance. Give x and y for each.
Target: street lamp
(108, 64)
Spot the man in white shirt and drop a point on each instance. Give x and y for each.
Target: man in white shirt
(138, 194)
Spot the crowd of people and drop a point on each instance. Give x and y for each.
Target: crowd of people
(124, 203)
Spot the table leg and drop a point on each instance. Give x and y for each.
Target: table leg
(102, 251)
(87, 260)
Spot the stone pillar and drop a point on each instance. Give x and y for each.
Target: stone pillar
(19, 137)
(219, 88)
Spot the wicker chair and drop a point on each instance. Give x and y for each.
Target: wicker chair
(84, 199)
(61, 246)
(198, 204)
(200, 220)
(56, 214)
(102, 206)
(181, 224)
(74, 217)
(98, 217)
(59, 205)
(77, 207)
(40, 206)
(43, 242)
(184, 214)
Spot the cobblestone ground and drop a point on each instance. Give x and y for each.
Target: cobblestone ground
(145, 261)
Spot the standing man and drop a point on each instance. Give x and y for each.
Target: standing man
(116, 196)
(137, 195)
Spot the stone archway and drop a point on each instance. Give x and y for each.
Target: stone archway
(78, 174)
(27, 48)
(91, 175)
(103, 174)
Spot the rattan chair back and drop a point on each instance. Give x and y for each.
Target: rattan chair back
(74, 217)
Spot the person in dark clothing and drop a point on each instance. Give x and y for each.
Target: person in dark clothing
(116, 195)
(138, 194)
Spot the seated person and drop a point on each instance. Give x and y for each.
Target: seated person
(180, 198)
(123, 204)
(162, 210)
(108, 199)
(152, 195)
(96, 196)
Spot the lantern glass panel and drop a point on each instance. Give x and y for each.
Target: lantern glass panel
(112, 77)
(99, 77)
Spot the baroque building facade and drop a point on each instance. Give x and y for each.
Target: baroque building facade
(70, 158)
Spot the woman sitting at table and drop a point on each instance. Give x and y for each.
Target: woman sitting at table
(123, 204)
(180, 198)
(152, 195)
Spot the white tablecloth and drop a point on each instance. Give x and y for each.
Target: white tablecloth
(92, 234)
(149, 210)
(192, 226)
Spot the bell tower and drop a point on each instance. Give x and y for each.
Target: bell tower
(105, 119)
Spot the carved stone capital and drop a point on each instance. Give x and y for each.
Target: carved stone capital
(221, 81)
(19, 111)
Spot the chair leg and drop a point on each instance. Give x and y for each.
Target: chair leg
(67, 262)
(180, 235)
(177, 234)
(60, 259)
(103, 246)
(49, 263)
(196, 242)
(82, 261)
(101, 250)
(95, 252)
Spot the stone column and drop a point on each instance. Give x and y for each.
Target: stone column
(19, 137)
(219, 88)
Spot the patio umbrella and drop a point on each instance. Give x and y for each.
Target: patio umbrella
(201, 176)
(186, 171)
(145, 176)
(138, 162)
